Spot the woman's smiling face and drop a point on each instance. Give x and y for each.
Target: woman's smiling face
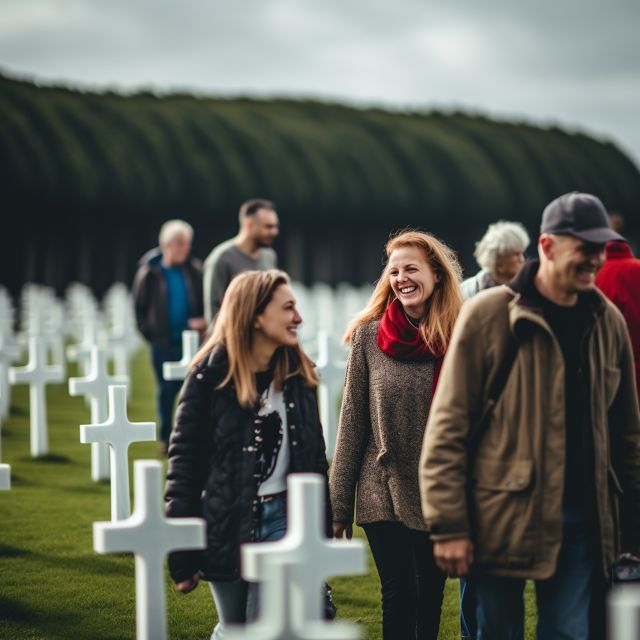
(280, 319)
(411, 278)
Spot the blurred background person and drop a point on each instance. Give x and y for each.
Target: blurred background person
(167, 294)
(250, 250)
(616, 221)
(619, 280)
(397, 346)
(247, 418)
(500, 254)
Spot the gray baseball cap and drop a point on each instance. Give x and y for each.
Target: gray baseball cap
(581, 215)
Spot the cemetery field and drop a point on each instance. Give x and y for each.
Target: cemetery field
(53, 585)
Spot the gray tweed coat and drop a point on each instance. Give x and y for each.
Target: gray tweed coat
(384, 413)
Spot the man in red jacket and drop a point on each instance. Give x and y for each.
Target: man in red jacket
(619, 280)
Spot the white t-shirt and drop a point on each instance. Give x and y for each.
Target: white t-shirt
(277, 481)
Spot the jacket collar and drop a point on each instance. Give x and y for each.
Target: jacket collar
(524, 307)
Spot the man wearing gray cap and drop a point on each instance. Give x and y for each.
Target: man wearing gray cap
(530, 466)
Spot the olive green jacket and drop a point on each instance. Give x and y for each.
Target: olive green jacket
(511, 507)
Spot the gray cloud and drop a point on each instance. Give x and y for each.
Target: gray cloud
(576, 63)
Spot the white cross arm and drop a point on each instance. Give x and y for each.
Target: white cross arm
(117, 430)
(22, 375)
(119, 537)
(340, 557)
(89, 386)
(134, 535)
(147, 531)
(135, 432)
(178, 370)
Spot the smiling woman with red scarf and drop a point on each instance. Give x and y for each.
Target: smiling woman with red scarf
(397, 346)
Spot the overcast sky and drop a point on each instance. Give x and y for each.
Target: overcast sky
(571, 62)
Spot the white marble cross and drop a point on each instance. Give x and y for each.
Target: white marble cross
(9, 353)
(121, 335)
(150, 536)
(291, 571)
(95, 386)
(121, 343)
(54, 333)
(624, 612)
(37, 374)
(331, 371)
(178, 370)
(118, 433)
(80, 352)
(5, 477)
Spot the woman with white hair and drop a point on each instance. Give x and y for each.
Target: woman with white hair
(500, 254)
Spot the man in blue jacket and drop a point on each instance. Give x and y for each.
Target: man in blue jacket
(167, 292)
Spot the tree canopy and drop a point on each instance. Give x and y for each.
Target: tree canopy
(104, 170)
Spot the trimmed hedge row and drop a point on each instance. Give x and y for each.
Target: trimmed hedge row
(102, 160)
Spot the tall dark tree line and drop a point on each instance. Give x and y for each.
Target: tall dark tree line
(86, 178)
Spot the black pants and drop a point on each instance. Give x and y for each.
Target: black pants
(412, 585)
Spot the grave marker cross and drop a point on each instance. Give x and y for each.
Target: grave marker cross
(293, 569)
(624, 612)
(95, 386)
(37, 374)
(9, 353)
(5, 477)
(118, 433)
(331, 372)
(150, 536)
(178, 370)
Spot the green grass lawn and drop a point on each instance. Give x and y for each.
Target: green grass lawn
(53, 585)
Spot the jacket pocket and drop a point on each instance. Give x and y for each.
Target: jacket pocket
(502, 510)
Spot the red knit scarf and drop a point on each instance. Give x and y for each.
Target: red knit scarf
(399, 339)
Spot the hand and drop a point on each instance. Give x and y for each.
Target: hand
(455, 557)
(197, 324)
(189, 585)
(340, 528)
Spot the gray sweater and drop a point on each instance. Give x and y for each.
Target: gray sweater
(222, 265)
(384, 413)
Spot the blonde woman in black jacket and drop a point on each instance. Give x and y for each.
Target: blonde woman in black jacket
(246, 418)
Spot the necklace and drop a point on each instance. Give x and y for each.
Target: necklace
(415, 324)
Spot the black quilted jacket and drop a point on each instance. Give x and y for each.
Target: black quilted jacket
(211, 464)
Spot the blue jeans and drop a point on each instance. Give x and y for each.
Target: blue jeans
(167, 390)
(237, 601)
(563, 600)
(468, 624)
